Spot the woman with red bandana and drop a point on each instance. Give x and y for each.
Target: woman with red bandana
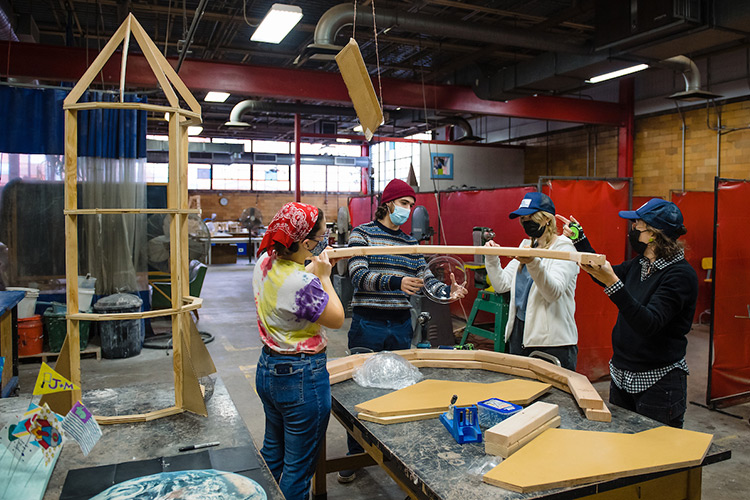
(293, 304)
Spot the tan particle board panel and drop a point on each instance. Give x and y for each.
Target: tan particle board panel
(361, 92)
(563, 457)
(435, 395)
(506, 451)
(398, 419)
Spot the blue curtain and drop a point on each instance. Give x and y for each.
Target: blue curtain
(32, 122)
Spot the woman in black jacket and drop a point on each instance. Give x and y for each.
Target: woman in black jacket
(655, 294)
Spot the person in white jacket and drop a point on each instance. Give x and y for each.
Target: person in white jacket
(541, 315)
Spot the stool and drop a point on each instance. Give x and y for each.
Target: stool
(495, 304)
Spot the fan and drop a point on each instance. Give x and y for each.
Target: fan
(199, 241)
(252, 219)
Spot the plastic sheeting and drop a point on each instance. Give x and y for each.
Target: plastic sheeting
(729, 374)
(595, 204)
(698, 212)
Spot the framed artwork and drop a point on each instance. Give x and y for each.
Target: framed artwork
(441, 165)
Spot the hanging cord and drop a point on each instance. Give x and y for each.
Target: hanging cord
(166, 37)
(354, 22)
(377, 53)
(244, 14)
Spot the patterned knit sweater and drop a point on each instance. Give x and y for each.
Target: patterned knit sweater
(377, 278)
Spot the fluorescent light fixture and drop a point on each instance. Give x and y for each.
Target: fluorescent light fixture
(166, 116)
(278, 22)
(343, 140)
(618, 73)
(195, 130)
(214, 96)
(358, 128)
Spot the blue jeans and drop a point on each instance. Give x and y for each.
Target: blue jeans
(378, 335)
(665, 401)
(296, 396)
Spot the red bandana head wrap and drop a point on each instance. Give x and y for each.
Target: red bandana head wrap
(291, 224)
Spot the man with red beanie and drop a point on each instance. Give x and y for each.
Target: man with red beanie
(381, 319)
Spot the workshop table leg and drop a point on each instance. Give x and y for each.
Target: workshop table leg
(319, 488)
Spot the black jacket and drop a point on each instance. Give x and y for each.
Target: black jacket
(654, 316)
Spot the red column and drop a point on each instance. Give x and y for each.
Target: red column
(365, 185)
(297, 157)
(627, 131)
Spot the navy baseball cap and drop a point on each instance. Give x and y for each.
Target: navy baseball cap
(661, 214)
(533, 203)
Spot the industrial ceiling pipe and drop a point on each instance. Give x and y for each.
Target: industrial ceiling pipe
(341, 15)
(253, 106)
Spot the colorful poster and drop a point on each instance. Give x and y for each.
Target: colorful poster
(21, 449)
(81, 425)
(50, 381)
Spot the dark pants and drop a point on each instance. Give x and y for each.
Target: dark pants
(377, 335)
(567, 354)
(665, 401)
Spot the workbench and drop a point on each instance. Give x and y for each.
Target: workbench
(425, 459)
(9, 299)
(234, 240)
(145, 442)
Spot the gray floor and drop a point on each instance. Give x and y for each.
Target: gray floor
(229, 314)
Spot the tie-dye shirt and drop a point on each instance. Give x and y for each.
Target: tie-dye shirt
(289, 301)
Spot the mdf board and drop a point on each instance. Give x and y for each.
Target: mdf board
(399, 419)
(564, 457)
(358, 83)
(435, 395)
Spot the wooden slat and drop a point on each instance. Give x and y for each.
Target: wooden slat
(195, 303)
(142, 38)
(124, 59)
(98, 211)
(398, 419)
(584, 258)
(505, 451)
(135, 106)
(598, 414)
(96, 66)
(515, 427)
(138, 417)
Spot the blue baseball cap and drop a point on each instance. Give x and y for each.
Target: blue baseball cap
(533, 203)
(661, 214)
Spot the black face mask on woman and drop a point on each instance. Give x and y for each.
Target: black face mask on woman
(638, 246)
(532, 228)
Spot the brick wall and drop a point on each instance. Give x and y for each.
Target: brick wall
(657, 155)
(268, 203)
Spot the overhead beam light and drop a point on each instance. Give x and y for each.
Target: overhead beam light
(358, 128)
(195, 130)
(618, 73)
(278, 22)
(214, 96)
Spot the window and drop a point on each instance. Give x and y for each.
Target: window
(271, 147)
(392, 160)
(157, 172)
(199, 176)
(271, 178)
(234, 176)
(313, 177)
(24, 166)
(344, 179)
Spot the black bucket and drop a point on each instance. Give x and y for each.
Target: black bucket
(120, 338)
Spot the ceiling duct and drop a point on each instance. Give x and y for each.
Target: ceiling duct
(253, 106)
(692, 77)
(335, 18)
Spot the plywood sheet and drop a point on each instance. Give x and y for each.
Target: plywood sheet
(358, 83)
(435, 395)
(398, 419)
(564, 457)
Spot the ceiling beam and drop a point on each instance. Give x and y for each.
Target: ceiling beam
(46, 62)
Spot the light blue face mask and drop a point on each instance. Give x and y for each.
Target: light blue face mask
(399, 215)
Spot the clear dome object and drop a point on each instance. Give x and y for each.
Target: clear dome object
(441, 266)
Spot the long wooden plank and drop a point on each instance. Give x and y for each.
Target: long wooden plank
(435, 395)
(505, 451)
(561, 458)
(133, 106)
(580, 257)
(97, 211)
(195, 303)
(515, 427)
(141, 37)
(138, 417)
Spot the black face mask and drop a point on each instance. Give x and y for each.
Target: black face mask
(532, 228)
(638, 246)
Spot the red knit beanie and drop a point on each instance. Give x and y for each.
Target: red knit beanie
(397, 189)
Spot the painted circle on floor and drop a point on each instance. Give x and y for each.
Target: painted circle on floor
(209, 484)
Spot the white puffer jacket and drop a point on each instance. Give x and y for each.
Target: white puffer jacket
(551, 307)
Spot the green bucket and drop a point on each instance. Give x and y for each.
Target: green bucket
(55, 328)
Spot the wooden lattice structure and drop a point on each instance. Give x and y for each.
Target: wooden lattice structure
(190, 356)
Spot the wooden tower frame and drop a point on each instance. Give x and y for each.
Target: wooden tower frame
(190, 356)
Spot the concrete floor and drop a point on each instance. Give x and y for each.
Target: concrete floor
(229, 314)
